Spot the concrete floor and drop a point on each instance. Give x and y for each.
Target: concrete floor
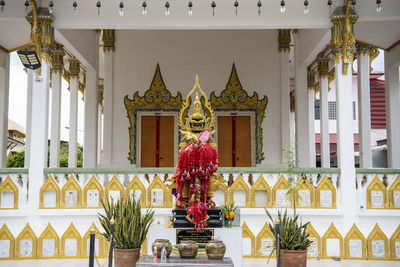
(246, 263)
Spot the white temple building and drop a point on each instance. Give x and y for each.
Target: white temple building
(261, 66)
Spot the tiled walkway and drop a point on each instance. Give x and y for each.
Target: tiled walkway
(246, 263)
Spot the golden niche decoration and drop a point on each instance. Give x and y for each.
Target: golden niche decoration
(8, 201)
(355, 244)
(240, 185)
(136, 186)
(265, 242)
(332, 234)
(157, 98)
(71, 194)
(114, 189)
(314, 250)
(235, 98)
(279, 194)
(217, 183)
(92, 194)
(377, 244)
(6, 235)
(325, 194)
(71, 243)
(26, 243)
(99, 242)
(305, 194)
(377, 194)
(394, 194)
(261, 186)
(46, 194)
(395, 244)
(157, 194)
(49, 243)
(248, 234)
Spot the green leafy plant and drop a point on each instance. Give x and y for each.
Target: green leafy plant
(290, 171)
(292, 232)
(130, 226)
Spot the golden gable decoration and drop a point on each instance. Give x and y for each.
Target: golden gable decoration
(157, 98)
(355, 235)
(395, 244)
(304, 185)
(137, 185)
(315, 237)
(394, 194)
(331, 233)
(114, 185)
(9, 186)
(5, 234)
(239, 185)
(217, 182)
(281, 184)
(26, 243)
(70, 234)
(377, 195)
(49, 233)
(261, 185)
(247, 233)
(49, 185)
(71, 185)
(377, 240)
(235, 98)
(265, 242)
(97, 236)
(92, 184)
(157, 184)
(323, 198)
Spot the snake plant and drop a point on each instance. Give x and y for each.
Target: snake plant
(292, 233)
(130, 226)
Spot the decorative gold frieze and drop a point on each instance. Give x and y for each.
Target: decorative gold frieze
(5, 234)
(136, 186)
(394, 194)
(108, 40)
(114, 187)
(49, 234)
(325, 194)
(239, 185)
(71, 194)
(265, 243)
(377, 244)
(26, 244)
(284, 40)
(331, 77)
(49, 185)
(157, 98)
(343, 19)
(395, 244)
(153, 194)
(310, 79)
(57, 60)
(74, 68)
(8, 187)
(91, 187)
(82, 85)
(331, 233)
(263, 186)
(280, 198)
(377, 195)
(323, 67)
(305, 194)
(373, 53)
(98, 238)
(247, 233)
(235, 98)
(355, 244)
(315, 250)
(71, 243)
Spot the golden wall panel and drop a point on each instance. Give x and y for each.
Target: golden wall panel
(376, 186)
(71, 185)
(377, 235)
(240, 184)
(5, 234)
(114, 185)
(261, 185)
(304, 184)
(71, 233)
(394, 194)
(265, 233)
(157, 184)
(325, 185)
(355, 234)
(49, 185)
(9, 186)
(92, 184)
(97, 236)
(49, 233)
(314, 234)
(246, 233)
(26, 234)
(395, 245)
(331, 233)
(137, 185)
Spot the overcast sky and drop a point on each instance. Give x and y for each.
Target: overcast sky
(18, 85)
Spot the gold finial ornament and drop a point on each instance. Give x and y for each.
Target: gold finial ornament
(112, 220)
(277, 221)
(191, 126)
(92, 230)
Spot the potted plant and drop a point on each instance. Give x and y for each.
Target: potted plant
(229, 212)
(293, 239)
(130, 228)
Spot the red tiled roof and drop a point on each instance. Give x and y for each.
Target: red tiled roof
(333, 138)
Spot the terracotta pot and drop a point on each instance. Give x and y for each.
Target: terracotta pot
(293, 258)
(160, 243)
(126, 257)
(215, 249)
(188, 249)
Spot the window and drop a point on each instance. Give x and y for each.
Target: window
(317, 110)
(332, 110)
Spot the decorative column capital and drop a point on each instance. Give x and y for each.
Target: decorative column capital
(57, 60)
(310, 79)
(323, 67)
(331, 77)
(284, 40)
(82, 85)
(343, 39)
(108, 40)
(74, 68)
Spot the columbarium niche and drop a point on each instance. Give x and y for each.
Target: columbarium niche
(49, 197)
(332, 243)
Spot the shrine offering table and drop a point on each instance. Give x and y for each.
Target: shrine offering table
(232, 238)
(147, 261)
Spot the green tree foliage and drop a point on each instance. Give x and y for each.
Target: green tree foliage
(17, 160)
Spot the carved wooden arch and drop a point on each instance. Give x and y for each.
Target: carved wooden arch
(157, 98)
(235, 98)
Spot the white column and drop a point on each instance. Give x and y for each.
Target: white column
(55, 119)
(108, 107)
(4, 90)
(73, 112)
(305, 136)
(364, 110)
(99, 134)
(392, 63)
(39, 135)
(324, 121)
(90, 127)
(285, 101)
(28, 118)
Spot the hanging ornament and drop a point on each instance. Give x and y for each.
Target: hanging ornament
(98, 4)
(2, 4)
(51, 5)
(213, 5)
(75, 5)
(144, 5)
(259, 4)
(283, 6)
(330, 6)
(236, 4)
(26, 6)
(378, 6)
(190, 5)
(167, 9)
(121, 9)
(306, 10)
(353, 3)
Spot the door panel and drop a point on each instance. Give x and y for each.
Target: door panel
(148, 141)
(166, 141)
(225, 141)
(243, 141)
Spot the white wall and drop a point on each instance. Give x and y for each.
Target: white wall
(181, 55)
